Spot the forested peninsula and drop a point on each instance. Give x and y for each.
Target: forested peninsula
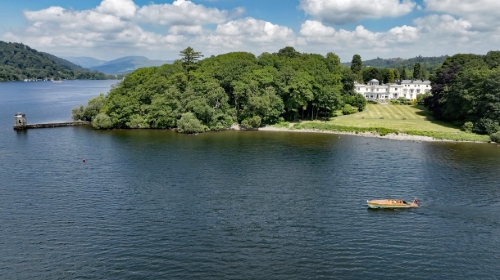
(196, 95)
(218, 91)
(19, 62)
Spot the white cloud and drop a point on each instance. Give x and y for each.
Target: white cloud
(57, 18)
(186, 29)
(183, 12)
(348, 11)
(443, 26)
(464, 7)
(120, 27)
(404, 34)
(430, 35)
(359, 38)
(119, 8)
(481, 14)
(249, 31)
(312, 28)
(108, 28)
(255, 30)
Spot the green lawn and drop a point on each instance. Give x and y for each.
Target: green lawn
(398, 117)
(382, 119)
(395, 112)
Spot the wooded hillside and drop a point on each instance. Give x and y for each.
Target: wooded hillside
(19, 62)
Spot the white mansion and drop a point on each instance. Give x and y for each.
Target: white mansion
(406, 88)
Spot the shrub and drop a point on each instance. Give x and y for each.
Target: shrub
(137, 121)
(486, 126)
(87, 113)
(77, 113)
(102, 121)
(221, 122)
(357, 100)
(495, 137)
(190, 124)
(93, 107)
(421, 97)
(336, 113)
(349, 109)
(253, 122)
(468, 126)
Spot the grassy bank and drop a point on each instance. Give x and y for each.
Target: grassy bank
(385, 119)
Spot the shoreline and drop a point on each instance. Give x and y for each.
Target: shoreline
(390, 136)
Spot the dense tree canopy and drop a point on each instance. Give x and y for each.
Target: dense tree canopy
(230, 88)
(467, 89)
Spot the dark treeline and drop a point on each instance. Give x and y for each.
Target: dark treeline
(19, 62)
(419, 68)
(378, 62)
(214, 93)
(466, 90)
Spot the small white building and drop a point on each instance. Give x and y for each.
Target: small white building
(20, 119)
(408, 89)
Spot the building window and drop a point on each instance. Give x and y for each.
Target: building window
(418, 91)
(359, 88)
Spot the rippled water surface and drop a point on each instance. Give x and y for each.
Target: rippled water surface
(234, 205)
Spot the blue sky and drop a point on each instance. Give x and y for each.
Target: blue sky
(159, 29)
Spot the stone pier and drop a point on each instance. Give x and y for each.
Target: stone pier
(21, 124)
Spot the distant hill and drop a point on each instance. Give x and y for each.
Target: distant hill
(428, 62)
(121, 65)
(85, 61)
(19, 62)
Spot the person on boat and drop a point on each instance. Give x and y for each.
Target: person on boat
(415, 201)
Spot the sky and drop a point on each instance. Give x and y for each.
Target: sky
(160, 29)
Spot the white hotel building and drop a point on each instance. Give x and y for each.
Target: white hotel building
(406, 88)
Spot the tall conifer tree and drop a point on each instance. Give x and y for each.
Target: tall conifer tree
(356, 66)
(417, 71)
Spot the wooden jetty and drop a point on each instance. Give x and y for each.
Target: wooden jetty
(21, 124)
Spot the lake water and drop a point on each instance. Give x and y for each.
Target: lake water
(155, 204)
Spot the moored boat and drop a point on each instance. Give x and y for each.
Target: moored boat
(391, 203)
